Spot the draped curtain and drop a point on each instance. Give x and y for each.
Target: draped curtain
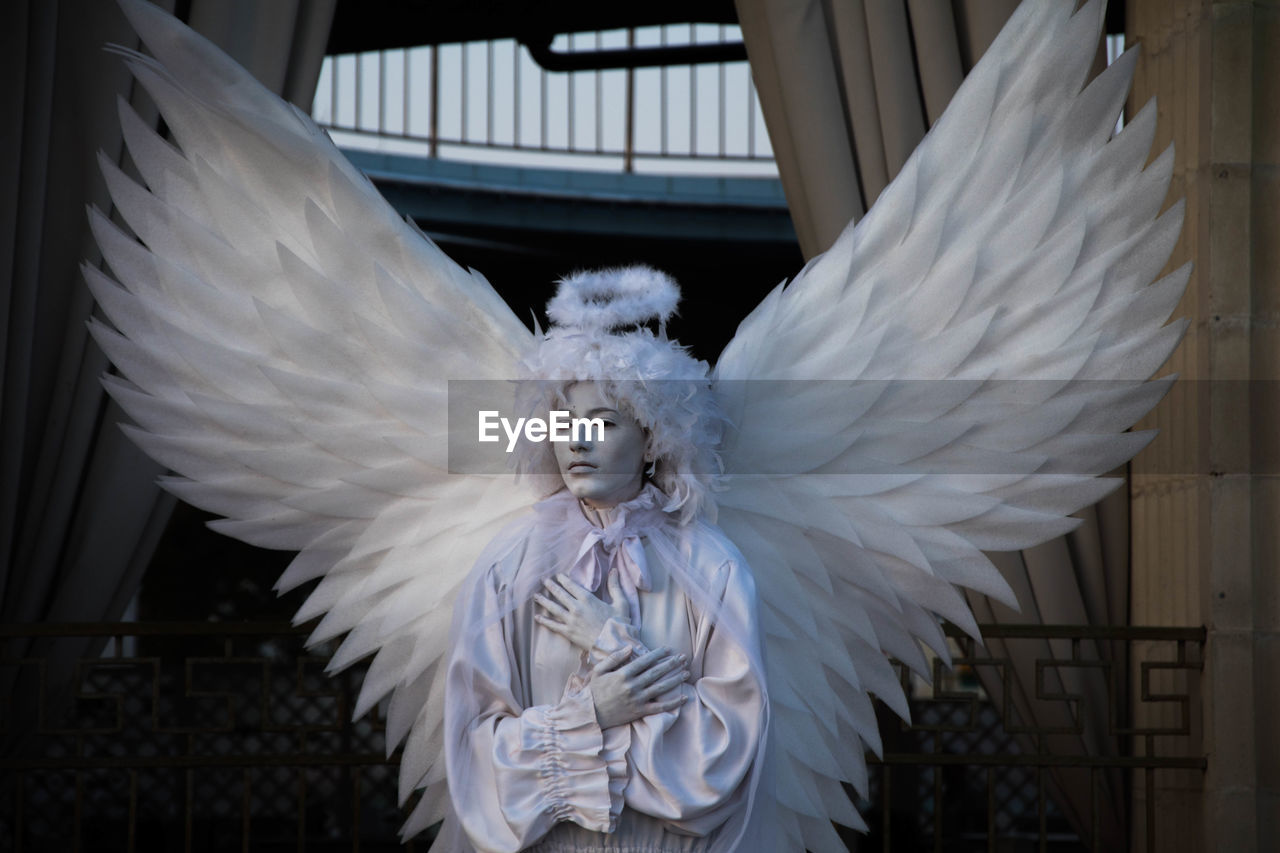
(848, 88)
(80, 513)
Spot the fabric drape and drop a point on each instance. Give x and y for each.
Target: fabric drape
(848, 88)
(80, 513)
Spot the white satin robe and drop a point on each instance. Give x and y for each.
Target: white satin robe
(539, 772)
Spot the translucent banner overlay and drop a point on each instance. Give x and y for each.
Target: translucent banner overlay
(1004, 428)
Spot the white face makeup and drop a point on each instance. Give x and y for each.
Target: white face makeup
(602, 473)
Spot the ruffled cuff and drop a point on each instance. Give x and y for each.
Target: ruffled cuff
(614, 636)
(577, 767)
(617, 743)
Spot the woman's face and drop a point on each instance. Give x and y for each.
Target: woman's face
(602, 473)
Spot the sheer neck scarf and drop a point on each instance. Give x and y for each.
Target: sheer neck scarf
(612, 542)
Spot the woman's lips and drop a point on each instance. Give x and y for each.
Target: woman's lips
(579, 467)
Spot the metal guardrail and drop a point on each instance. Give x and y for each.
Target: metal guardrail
(466, 99)
(1005, 769)
(229, 736)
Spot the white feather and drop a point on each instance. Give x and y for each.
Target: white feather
(276, 359)
(950, 376)
(1015, 251)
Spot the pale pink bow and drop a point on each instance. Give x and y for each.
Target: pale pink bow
(613, 548)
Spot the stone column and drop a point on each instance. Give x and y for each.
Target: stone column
(1205, 499)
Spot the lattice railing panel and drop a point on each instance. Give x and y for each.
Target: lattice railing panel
(231, 737)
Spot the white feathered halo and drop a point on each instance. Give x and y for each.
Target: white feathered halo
(614, 298)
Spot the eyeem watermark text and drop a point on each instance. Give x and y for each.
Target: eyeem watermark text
(560, 427)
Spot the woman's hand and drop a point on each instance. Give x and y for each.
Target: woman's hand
(574, 612)
(624, 692)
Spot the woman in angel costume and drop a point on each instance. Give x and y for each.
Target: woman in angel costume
(284, 344)
(638, 721)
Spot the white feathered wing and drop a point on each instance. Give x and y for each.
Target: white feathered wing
(951, 376)
(284, 339)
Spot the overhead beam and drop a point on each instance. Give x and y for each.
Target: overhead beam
(363, 25)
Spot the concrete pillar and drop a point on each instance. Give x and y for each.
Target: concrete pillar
(1205, 498)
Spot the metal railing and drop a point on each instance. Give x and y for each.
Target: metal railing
(985, 777)
(490, 101)
(212, 736)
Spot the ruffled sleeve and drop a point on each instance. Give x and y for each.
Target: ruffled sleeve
(515, 772)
